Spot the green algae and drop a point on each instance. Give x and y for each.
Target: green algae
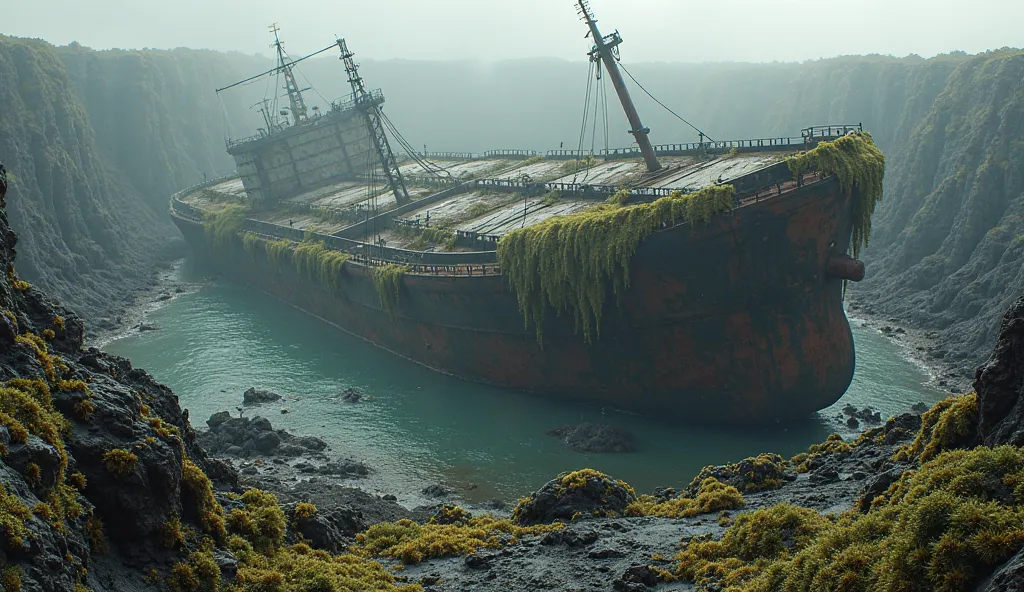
(223, 225)
(860, 167)
(567, 262)
(387, 280)
(309, 258)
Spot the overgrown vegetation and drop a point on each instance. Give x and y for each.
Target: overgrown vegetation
(455, 534)
(422, 236)
(223, 225)
(310, 258)
(834, 444)
(567, 263)
(571, 167)
(712, 496)
(387, 280)
(860, 167)
(758, 473)
(951, 423)
(120, 462)
(938, 528)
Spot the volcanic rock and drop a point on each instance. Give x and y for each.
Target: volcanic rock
(589, 437)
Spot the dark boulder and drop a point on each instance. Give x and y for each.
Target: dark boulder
(333, 530)
(217, 419)
(267, 442)
(1008, 578)
(589, 437)
(436, 490)
(352, 395)
(255, 396)
(583, 493)
(1000, 384)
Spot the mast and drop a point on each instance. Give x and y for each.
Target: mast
(602, 52)
(295, 100)
(369, 104)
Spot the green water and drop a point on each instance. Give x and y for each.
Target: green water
(422, 427)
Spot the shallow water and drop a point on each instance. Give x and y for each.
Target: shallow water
(422, 427)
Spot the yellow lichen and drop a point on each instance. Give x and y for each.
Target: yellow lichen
(13, 514)
(48, 334)
(197, 498)
(410, 542)
(949, 424)
(199, 573)
(261, 523)
(834, 444)
(120, 462)
(758, 473)
(10, 579)
(304, 511)
(568, 263)
(58, 323)
(940, 527)
(97, 539)
(301, 569)
(860, 167)
(712, 496)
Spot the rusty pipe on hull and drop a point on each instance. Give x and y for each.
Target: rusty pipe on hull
(844, 267)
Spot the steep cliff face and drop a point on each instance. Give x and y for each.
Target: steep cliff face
(96, 142)
(948, 250)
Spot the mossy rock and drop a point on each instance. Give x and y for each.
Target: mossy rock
(585, 493)
(758, 473)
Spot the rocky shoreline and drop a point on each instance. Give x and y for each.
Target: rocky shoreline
(920, 346)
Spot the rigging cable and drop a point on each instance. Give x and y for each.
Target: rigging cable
(583, 125)
(593, 132)
(695, 128)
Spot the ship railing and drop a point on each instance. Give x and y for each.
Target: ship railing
(831, 131)
(451, 155)
(567, 154)
(510, 153)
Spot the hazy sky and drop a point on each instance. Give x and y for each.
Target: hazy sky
(654, 30)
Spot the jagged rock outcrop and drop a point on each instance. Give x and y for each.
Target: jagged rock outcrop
(1000, 384)
(95, 455)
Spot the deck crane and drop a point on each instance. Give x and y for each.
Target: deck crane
(369, 104)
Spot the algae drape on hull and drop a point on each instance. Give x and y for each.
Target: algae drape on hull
(860, 166)
(566, 262)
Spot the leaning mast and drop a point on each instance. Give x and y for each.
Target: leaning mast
(602, 52)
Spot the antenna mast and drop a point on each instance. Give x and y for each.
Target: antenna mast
(602, 52)
(369, 104)
(295, 100)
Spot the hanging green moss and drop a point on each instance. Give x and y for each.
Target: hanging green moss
(222, 225)
(567, 262)
(387, 280)
(310, 258)
(860, 166)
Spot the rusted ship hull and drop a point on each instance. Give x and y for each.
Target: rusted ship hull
(735, 321)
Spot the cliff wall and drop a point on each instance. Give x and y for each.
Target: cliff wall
(95, 142)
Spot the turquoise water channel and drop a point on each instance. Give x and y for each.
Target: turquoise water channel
(421, 427)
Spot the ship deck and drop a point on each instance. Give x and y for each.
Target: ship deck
(490, 209)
